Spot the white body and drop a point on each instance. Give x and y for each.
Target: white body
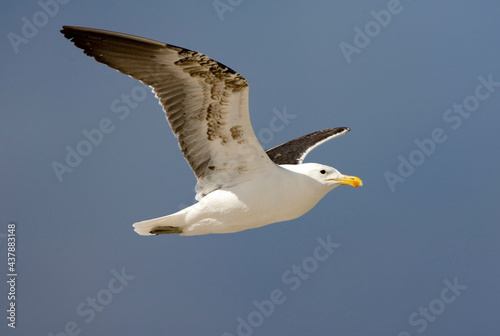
(282, 194)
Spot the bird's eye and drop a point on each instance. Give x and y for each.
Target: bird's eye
(322, 171)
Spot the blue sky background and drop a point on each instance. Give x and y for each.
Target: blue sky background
(397, 247)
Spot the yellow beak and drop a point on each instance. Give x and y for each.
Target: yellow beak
(349, 180)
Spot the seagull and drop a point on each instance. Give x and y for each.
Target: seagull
(239, 186)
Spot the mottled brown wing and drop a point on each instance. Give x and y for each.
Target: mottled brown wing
(206, 103)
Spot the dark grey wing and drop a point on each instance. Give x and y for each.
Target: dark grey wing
(295, 151)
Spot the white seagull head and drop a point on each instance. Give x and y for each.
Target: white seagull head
(327, 176)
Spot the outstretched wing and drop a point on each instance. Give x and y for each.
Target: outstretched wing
(295, 151)
(206, 103)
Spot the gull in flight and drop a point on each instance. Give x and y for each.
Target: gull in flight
(240, 186)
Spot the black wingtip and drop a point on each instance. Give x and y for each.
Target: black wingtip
(68, 31)
(65, 29)
(340, 129)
